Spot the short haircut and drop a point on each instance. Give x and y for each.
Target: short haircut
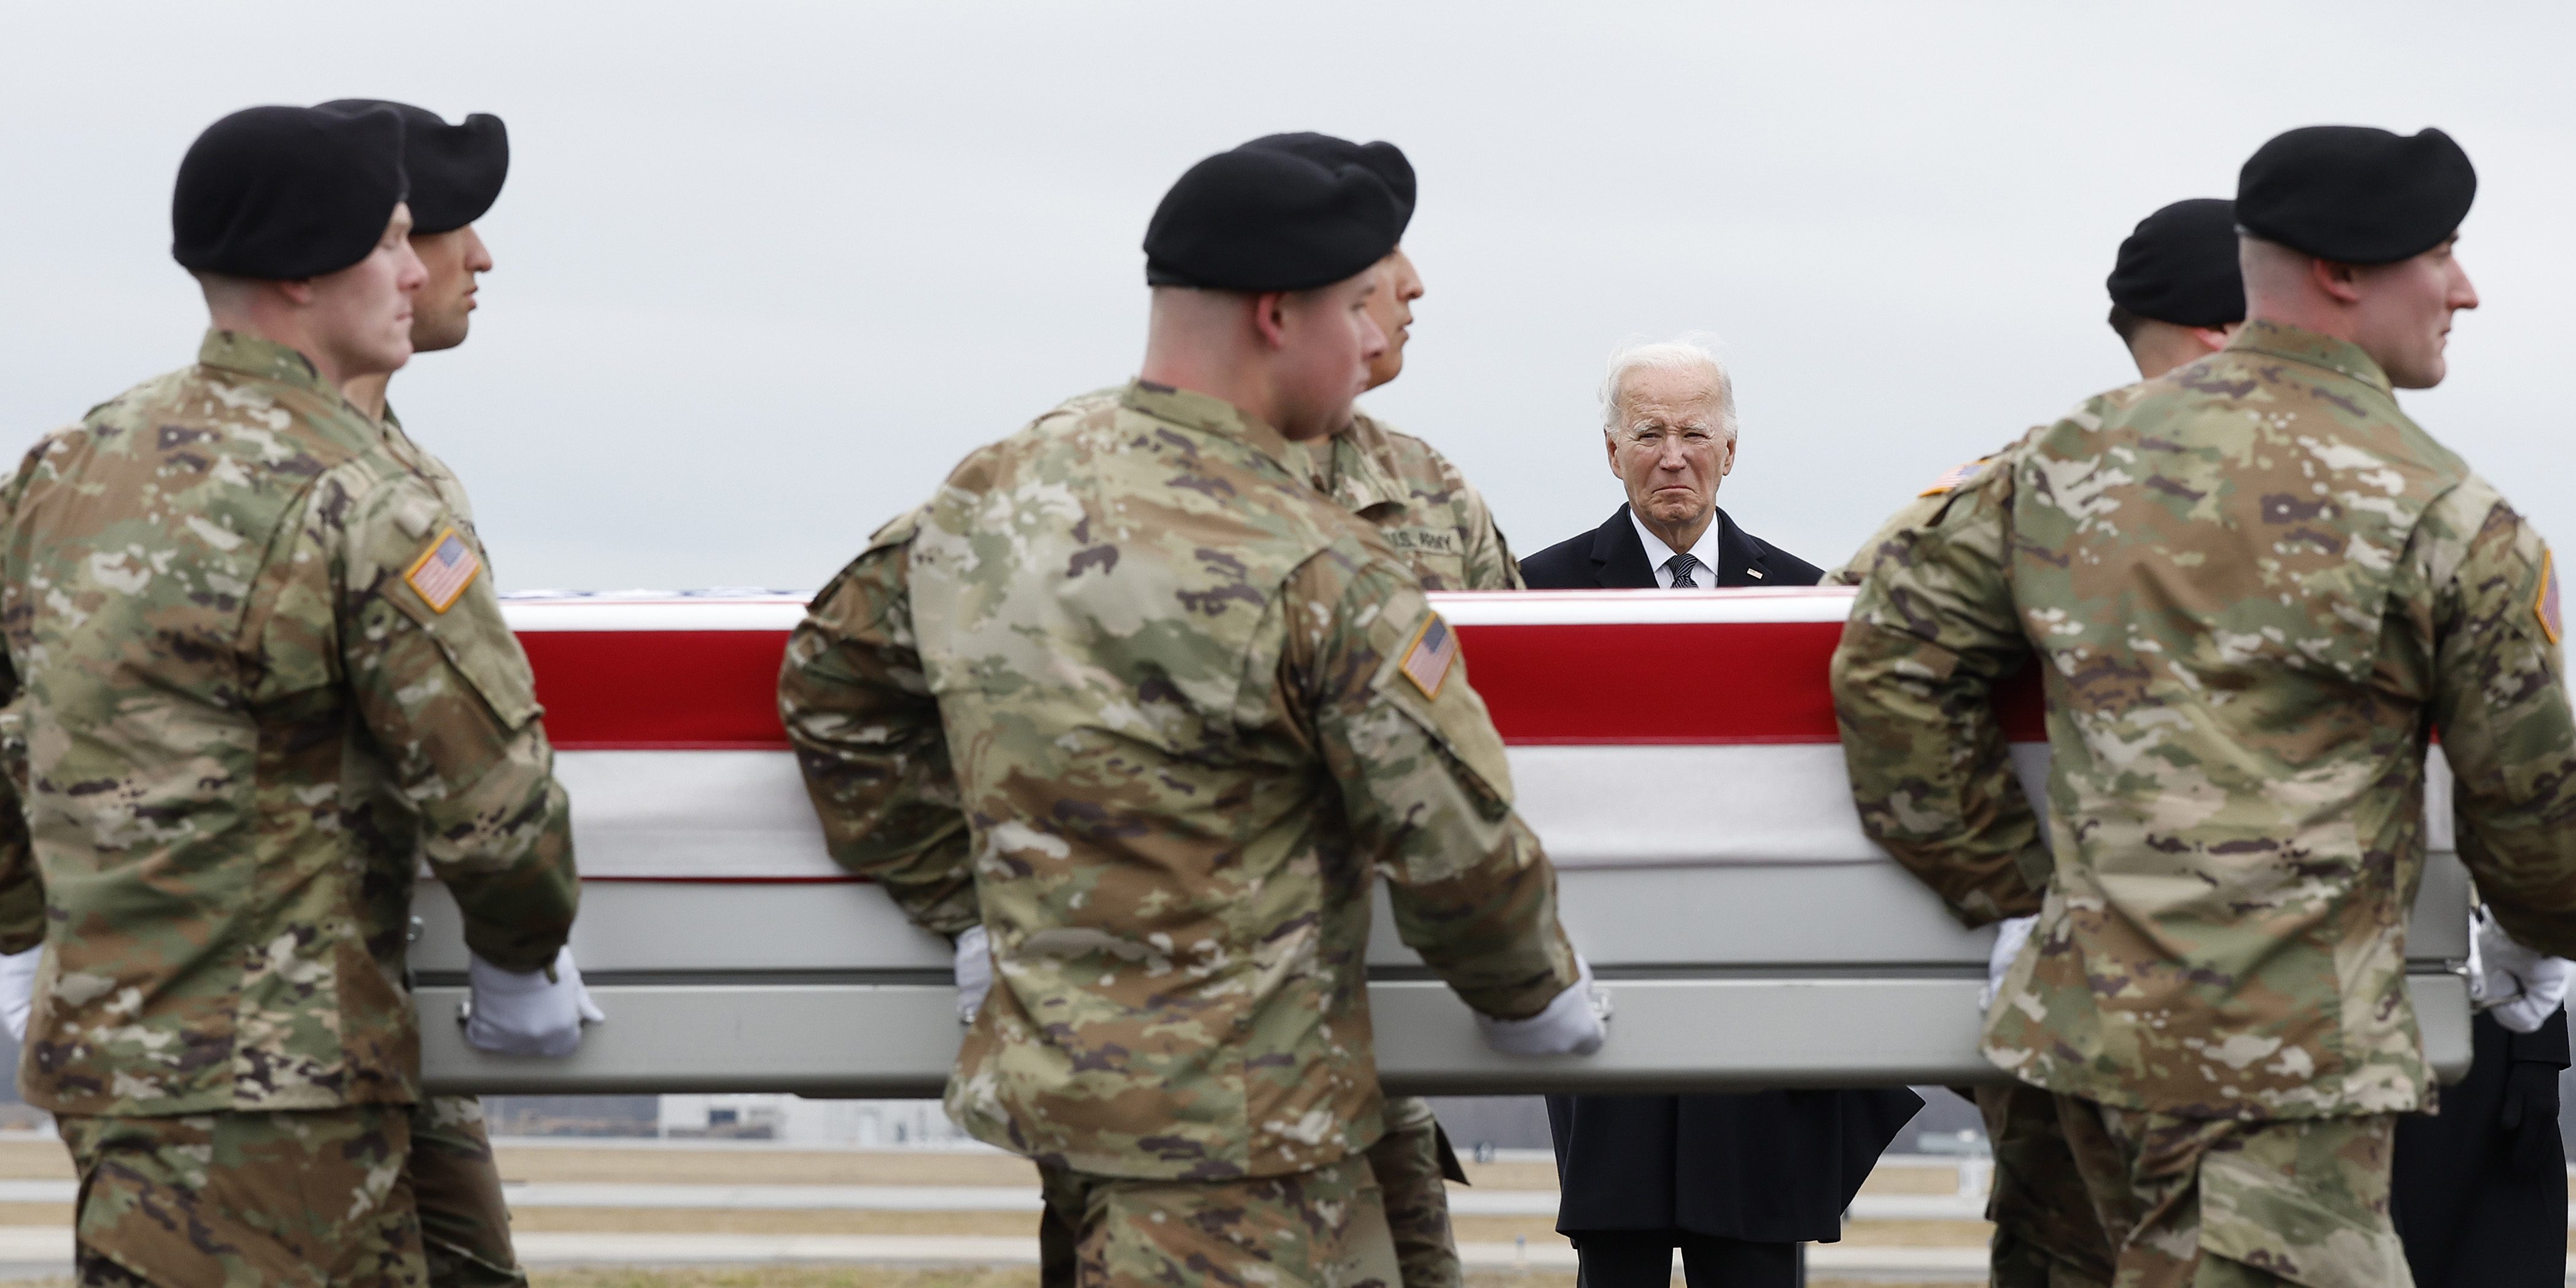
(2126, 324)
(1691, 351)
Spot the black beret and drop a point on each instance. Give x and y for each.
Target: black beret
(1259, 219)
(456, 170)
(1385, 160)
(2179, 266)
(2355, 194)
(286, 192)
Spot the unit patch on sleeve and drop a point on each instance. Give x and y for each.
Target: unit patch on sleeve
(444, 571)
(1958, 474)
(1427, 659)
(2545, 605)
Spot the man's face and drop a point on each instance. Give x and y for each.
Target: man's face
(1327, 341)
(1669, 449)
(1392, 309)
(363, 313)
(2403, 319)
(440, 313)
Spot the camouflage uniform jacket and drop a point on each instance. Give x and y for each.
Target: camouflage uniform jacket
(1420, 503)
(2255, 589)
(1173, 680)
(451, 489)
(253, 683)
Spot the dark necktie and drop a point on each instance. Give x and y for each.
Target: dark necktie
(1682, 565)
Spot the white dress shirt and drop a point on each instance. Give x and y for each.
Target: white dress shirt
(1657, 553)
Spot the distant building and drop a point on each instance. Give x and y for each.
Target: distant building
(570, 1115)
(795, 1120)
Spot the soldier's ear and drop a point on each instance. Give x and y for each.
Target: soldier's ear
(2338, 280)
(1270, 318)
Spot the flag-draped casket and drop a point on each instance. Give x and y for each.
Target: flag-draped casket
(1675, 752)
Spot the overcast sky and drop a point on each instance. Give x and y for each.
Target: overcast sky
(768, 270)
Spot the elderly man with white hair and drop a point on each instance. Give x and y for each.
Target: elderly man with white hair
(1735, 1183)
(1668, 424)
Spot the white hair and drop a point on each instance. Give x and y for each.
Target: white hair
(1691, 351)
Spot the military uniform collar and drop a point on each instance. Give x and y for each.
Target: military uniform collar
(1349, 470)
(1212, 415)
(396, 437)
(265, 359)
(2281, 340)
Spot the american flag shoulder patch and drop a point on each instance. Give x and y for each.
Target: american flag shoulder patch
(2545, 606)
(1428, 658)
(1958, 474)
(444, 571)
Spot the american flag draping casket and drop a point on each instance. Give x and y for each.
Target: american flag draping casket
(1675, 752)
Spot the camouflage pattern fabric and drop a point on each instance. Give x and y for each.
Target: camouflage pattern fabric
(2046, 1232)
(1435, 519)
(2226, 1203)
(238, 718)
(2254, 589)
(245, 1200)
(464, 1221)
(1414, 1190)
(1439, 525)
(456, 1187)
(1324, 1228)
(1190, 709)
(425, 463)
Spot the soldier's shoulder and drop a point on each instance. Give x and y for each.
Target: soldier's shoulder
(1084, 423)
(226, 448)
(1351, 556)
(389, 517)
(263, 426)
(1098, 402)
(2469, 516)
(1415, 458)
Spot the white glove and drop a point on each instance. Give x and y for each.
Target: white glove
(1573, 1024)
(513, 1014)
(2521, 988)
(18, 989)
(974, 972)
(2010, 934)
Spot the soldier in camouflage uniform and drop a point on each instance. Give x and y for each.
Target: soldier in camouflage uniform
(1137, 699)
(2176, 297)
(2253, 588)
(255, 679)
(456, 174)
(1439, 523)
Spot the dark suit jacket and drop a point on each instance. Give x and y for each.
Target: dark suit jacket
(1611, 557)
(1767, 1166)
(2480, 1190)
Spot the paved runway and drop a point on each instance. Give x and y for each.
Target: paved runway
(1464, 1201)
(27, 1251)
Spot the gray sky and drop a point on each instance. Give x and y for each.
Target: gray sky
(768, 270)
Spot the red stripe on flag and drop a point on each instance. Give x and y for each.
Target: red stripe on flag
(659, 690)
(1709, 683)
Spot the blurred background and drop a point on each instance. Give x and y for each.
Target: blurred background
(766, 270)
